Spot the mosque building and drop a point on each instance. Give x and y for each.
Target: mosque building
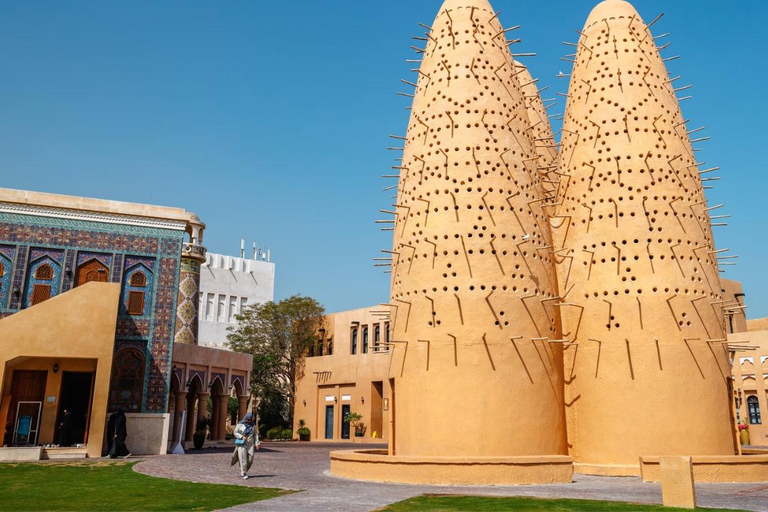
(99, 307)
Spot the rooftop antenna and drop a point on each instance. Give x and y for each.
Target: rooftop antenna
(242, 247)
(254, 250)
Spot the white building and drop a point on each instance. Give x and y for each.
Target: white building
(227, 285)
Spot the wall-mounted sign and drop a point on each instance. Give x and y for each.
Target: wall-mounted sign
(50, 399)
(346, 397)
(329, 398)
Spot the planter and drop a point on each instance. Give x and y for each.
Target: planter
(744, 436)
(359, 434)
(303, 437)
(198, 440)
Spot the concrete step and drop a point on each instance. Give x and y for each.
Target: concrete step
(64, 453)
(20, 454)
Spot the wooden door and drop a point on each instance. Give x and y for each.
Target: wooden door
(27, 386)
(93, 270)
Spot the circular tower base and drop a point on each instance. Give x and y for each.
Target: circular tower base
(377, 465)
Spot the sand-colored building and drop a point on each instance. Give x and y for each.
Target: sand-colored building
(346, 372)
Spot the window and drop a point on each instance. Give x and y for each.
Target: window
(2, 269)
(220, 313)
(243, 304)
(386, 334)
(354, 340)
(40, 293)
(365, 340)
(139, 279)
(43, 281)
(754, 410)
(232, 309)
(44, 273)
(320, 348)
(136, 303)
(127, 380)
(209, 308)
(330, 347)
(376, 338)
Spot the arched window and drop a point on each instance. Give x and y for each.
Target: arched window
(2, 269)
(139, 279)
(137, 289)
(354, 340)
(43, 280)
(753, 405)
(44, 273)
(330, 347)
(365, 339)
(320, 348)
(376, 338)
(127, 387)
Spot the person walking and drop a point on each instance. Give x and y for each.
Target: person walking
(119, 434)
(246, 443)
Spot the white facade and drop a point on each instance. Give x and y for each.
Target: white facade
(227, 285)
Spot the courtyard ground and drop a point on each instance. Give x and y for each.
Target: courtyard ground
(305, 467)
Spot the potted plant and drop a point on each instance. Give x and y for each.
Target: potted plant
(201, 432)
(355, 420)
(303, 431)
(744, 432)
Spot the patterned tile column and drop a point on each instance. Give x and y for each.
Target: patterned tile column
(188, 301)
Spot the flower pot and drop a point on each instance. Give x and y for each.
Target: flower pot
(303, 437)
(359, 434)
(744, 435)
(198, 440)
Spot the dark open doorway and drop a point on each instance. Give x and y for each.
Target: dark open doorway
(75, 396)
(345, 409)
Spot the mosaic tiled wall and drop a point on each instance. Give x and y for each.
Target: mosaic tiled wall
(189, 302)
(27, 240)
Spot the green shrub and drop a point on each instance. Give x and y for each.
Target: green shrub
(286, 434)
(274, 433)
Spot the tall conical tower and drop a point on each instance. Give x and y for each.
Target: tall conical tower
(476, 365)
(638, 274)
(541, 131)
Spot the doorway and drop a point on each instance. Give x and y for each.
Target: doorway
(75, 396)
(344, 423)
(27, 387)
(329, 422)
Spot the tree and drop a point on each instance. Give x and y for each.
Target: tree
(278, 336)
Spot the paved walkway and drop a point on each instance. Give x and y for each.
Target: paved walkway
(304, 466)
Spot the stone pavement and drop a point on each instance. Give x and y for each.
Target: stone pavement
(304, 466)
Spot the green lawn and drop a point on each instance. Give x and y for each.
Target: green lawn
(442, 503)
(112, 486)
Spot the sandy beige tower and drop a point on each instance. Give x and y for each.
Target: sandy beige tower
(638, 278)
(474, 371)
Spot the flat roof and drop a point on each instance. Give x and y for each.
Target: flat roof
(86, 204)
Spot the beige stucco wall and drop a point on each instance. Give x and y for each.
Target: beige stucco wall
(750, 376)
(346, 374)
(75, 329)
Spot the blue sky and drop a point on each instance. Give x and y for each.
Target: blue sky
(270, 119)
